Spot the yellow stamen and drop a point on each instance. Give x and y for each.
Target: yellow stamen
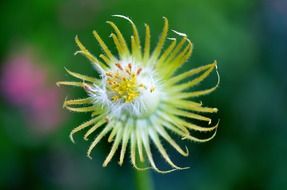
(126, 86)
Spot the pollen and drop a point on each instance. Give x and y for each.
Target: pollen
(123, 83)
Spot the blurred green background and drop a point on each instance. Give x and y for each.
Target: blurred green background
(247, 38)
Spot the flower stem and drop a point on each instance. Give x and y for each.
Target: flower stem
(143, 179)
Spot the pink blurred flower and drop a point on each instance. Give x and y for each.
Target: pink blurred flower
(25, 85)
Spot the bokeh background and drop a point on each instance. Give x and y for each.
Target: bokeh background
(247, 38)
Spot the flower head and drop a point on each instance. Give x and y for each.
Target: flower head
(138, 99)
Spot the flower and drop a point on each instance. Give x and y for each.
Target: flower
(138, 98)
(25, 84)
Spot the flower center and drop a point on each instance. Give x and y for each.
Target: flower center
(123, 83)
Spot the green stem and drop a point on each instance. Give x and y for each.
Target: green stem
(143, 179)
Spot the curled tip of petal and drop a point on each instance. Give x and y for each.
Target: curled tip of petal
(179, 33)
(164, 171)
(77, 52)
(124, 17)
(186, 153)
(72, 138)
(179, 168)
(182, 168)
(217, 73)
(209, 122)
(184, 137)
(89, 156)
(165, 20)
(142, 169)
(205, 139)
(139, 168)
(217, 123)
(215, 62)
(172, 39)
